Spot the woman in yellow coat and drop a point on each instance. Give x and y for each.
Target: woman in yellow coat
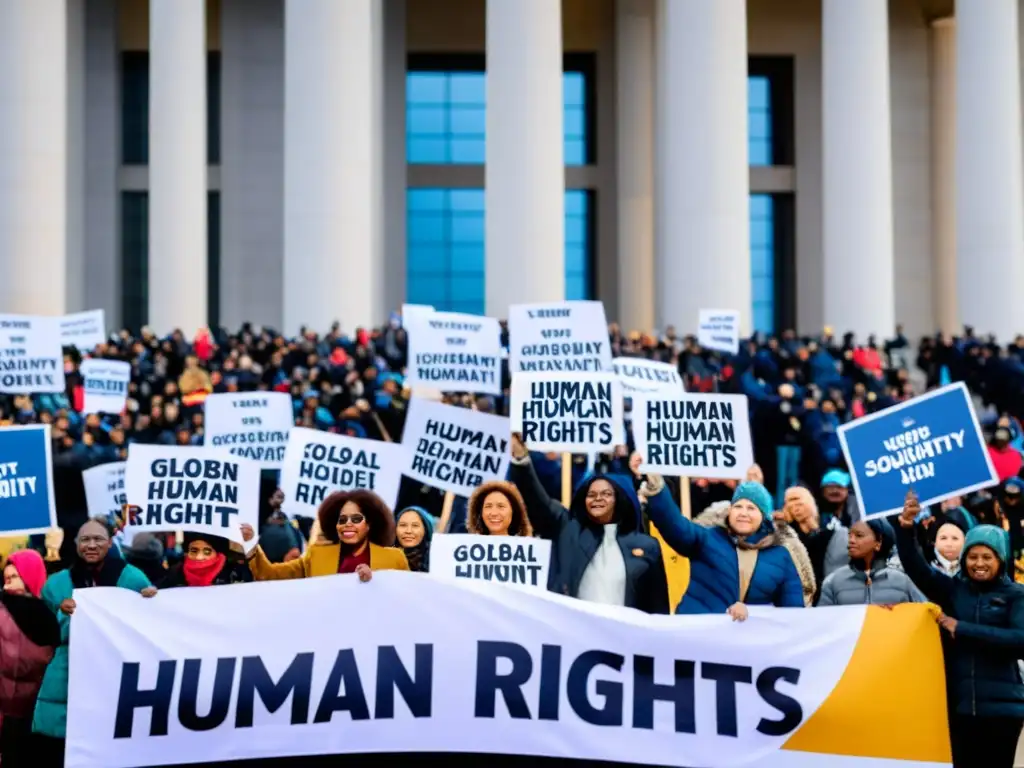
(358, 537)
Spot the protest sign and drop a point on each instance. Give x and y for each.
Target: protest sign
(719, 329)
(567, 336)
(105, 495)
(83, 330)
(454, 449)
(31, 357)
(201, 676)
(695, 435)
(26, 481)
(507, 559)
(932, 444)
(105, 383)
(568, 412)
(318, 463)
(203, 490)
(640, 376)
(454, 352)
(253, 425)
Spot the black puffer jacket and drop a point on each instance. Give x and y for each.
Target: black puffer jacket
(982, 673)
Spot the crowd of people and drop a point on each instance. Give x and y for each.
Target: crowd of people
(789, 535)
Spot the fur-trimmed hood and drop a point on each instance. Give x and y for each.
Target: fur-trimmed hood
(717, 516)
(520, 524)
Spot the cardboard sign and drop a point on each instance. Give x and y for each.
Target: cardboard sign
(84, 330)
(694, 436)
(253, 425)
(568, 336)
(640, 376)
(105, 383)
(26, 481)
(506, 559)
(454, 352)
(568, 412)
(31, 357)
(719, 329)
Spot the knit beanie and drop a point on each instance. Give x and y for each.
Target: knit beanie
(757, 494)
(31, 569)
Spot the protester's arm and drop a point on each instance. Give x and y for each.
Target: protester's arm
(134, 579)
(982, 636)
(936, 586)
(264, 570)
(684, 536)
(547, 516)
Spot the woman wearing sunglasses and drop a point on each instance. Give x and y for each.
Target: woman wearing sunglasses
(359, 533)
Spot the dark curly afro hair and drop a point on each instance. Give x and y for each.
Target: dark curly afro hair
(378, 516)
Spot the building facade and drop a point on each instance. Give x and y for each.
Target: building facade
(290, 162)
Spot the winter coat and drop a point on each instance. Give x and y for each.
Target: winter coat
(982, 674)
(575, 539)
(714, 565)
(850, 585)
(28, 636)
(322, 559)
(51, 713)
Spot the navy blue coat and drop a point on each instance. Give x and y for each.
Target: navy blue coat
(714, 567)
(982, 676)
(575, 539)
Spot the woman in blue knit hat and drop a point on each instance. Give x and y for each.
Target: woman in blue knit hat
(737, 559)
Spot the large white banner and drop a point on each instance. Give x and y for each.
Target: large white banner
(454, 352)
(31, 356)
(105, 383)
(316, 464)
(205, 490)
(249, 671)
(454, 449)
(562, 336)
(517, 560)
(253, 425)
(84, 330)
(575, 412)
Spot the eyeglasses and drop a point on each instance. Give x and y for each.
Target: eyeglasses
(354, 519)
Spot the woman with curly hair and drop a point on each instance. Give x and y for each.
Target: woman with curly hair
(497, 508)
(358, 533)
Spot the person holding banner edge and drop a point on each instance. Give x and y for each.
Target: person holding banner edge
(599, 550)
(359, 533)
(982, 623)
(737, 560)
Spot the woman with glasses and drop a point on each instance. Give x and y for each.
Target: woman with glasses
(359, 535)
(92, 568)
(208, 562)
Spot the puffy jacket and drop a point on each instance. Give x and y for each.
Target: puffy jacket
(850, 585)
(982, 675)
(714, 566)
(575, 540)
(28, 635)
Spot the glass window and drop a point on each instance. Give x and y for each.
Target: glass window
(446, 116)
(445, 264)
(759, 120)
(762, 262)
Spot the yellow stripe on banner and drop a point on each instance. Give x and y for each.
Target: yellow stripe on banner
(896, 670)
(677, 570)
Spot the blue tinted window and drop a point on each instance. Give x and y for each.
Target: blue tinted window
(762, 262)
(446, 115)
(445, 264)
(759, 120)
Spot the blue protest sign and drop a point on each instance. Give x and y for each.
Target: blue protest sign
(26, 481)
(932, 444)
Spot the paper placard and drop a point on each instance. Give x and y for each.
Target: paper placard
(514, 560)
(105, 384)
(84, 330)
(454, 449)
(566, 336)
(454, 352)
(253, 425)
(568, 412)
(641, 376)
(31, 356)
(719, 329)
(696, 435)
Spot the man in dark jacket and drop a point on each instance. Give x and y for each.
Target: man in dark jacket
(599, 552)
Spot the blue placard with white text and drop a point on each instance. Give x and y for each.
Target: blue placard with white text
(26, 481)
(932, 444)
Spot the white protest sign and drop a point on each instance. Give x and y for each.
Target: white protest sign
(31, 356)
(694, 436)
(105, 494)
(719, 329)
(318, 463)
(508, 559)
(454, 449)
(202, 490)
(454, 352)
(105, 383)
(562, 336)
(253, 425)
(84, 330)
(568, 412)
(640, 376)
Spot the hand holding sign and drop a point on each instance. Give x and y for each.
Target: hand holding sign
(519, 450)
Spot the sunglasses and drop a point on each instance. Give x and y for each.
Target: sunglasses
(354, 519)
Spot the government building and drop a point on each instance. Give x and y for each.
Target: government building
(851, 163)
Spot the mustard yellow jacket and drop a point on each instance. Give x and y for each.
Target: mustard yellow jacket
(322, 560)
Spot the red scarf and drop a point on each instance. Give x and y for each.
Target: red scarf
(201, 573)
